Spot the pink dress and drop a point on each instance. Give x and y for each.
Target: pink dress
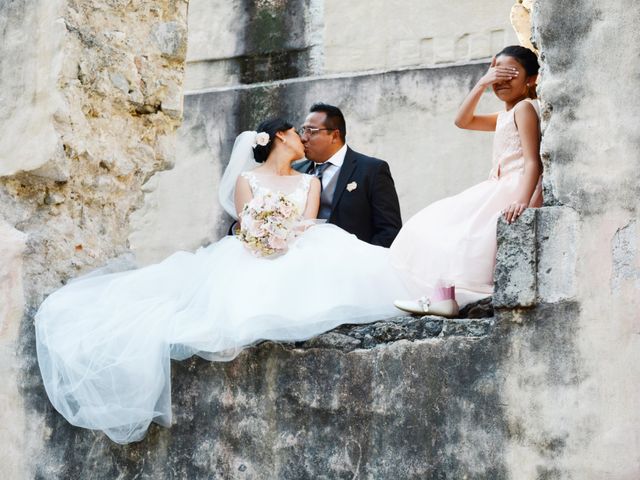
(454, 239)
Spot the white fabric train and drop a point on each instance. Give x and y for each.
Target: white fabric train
(105, 342)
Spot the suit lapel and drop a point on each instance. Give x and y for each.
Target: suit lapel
(348, 166)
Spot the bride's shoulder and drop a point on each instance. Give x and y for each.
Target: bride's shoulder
(304, 178)
(248, 178)
(250, 174)
(311, 180)
(299, 176)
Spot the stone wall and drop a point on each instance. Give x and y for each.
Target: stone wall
(31, 61)
(521, 20)
(93, 96)
(119, 99)
(385, 35)
(272, 40)
(583, 408)
(323, 410)
(250, 41)
(547, 388)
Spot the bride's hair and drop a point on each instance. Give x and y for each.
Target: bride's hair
(271, 127)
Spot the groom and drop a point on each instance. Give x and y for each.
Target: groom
(358, 193)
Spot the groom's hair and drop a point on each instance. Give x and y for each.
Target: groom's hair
(335, 118)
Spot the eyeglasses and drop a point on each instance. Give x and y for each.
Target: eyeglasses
(312, 130)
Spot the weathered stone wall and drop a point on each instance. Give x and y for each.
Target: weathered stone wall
(277, 39)
(31, 61)
(120, 99)
(388, 35)
(424, 407)
(577, 419)
(546, 389)
(521, 13)
(93, 95)
(250, 41)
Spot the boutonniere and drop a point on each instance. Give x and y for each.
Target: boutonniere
(351, 186)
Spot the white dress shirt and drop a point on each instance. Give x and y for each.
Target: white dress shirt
(336, 162)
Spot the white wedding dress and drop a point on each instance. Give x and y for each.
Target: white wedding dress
(105, 341)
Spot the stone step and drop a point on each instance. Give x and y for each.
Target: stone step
(476, 321)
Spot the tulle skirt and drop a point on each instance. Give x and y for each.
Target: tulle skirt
(454, 240)
(105, 342)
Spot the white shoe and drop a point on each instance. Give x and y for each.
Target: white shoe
(423, 306)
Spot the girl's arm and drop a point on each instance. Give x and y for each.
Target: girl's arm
(242, 195)
(528, 126)
(313, 199)
(466, 117)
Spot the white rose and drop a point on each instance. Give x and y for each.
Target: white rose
(262, 138)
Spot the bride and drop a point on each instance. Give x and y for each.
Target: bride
(104, 341)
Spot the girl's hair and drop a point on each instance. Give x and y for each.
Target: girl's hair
(271, 126)
(523, 56)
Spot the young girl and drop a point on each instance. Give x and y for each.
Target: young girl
(454, 240)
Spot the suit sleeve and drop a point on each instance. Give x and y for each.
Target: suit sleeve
(385, 208)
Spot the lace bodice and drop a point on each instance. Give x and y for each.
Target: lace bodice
(294, 187)
(507, 149)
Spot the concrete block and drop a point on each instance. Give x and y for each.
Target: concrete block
(557, 237)
(515, 273)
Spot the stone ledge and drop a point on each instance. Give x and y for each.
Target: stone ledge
(536, 258)
(478, 322)
(279, 411)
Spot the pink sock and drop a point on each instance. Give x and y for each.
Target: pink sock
(442, 292)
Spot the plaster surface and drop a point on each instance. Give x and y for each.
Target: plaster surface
(319, 37)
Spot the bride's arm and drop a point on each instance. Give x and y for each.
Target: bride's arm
(466, 117)
(528, 126)
(242, 195)
(313, 199)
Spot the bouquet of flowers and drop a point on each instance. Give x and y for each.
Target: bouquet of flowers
(269, 223)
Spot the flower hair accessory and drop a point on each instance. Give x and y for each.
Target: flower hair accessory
(261, 139)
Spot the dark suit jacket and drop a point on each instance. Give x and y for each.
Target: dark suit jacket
(371, 211)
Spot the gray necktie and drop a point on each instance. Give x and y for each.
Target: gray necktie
(326, 192)
(319, 170)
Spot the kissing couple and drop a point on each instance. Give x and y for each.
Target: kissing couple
(105, 342)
